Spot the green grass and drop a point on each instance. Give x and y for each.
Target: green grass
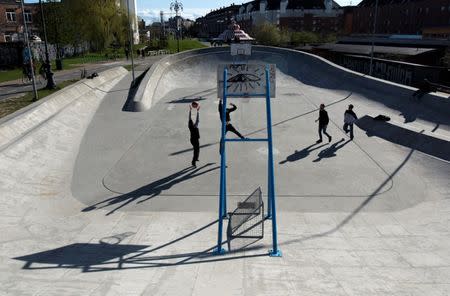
(9, 106)
(185, 44)
(9, 75)
(91, 58)
(67, 63)
(128, 67)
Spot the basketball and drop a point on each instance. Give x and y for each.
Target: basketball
(194, 105)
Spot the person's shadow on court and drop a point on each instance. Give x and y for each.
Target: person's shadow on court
(331, 151)
(298, 155)
(151, 190)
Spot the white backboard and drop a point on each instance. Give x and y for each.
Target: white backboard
(246, 79)
(241, 49)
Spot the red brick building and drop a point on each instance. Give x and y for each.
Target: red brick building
(215, 22)
(12, 22)
(406, 17)
(320, 16)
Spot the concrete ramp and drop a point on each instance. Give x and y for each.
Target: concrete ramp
(98, 201)
(148, 167)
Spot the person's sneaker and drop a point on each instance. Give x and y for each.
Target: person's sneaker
(319, 141)
(329, 139)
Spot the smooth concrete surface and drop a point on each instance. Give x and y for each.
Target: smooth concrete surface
(25, 120)
(97, 201)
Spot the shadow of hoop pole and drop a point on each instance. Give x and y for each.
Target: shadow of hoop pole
(101, 257)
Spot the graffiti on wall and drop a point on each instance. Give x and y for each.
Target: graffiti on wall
(394, 72)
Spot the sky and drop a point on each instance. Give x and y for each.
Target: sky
(192, 9)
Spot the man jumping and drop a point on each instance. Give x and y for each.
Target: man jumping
(229, 126)
(194, 134)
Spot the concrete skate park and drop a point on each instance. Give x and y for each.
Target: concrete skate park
(99, 196)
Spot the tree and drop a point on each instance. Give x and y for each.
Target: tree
(267, 34)
(303, 38)
(97, 22)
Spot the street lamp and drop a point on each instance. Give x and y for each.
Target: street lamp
(48, 68)
(373, 37)
(177, 6)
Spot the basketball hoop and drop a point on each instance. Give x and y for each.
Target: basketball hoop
(241, 49)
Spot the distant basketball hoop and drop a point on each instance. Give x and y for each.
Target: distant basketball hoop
(241, 49)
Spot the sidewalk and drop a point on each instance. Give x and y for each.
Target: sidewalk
(15, 88)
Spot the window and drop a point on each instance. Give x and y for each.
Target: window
(10, 15)
(28, 16)
(8, 37)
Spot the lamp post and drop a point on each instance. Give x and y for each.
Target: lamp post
(373, 37)
(177, 6)
(27, 41)
(48, 68)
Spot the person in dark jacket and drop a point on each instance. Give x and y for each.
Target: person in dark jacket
(195, 134)
(323, 123)
(229, 126)
(424, 88)
(349, 118)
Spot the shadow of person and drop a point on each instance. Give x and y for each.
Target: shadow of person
(151, 190)
(297, 155)
(331, 151)
(410, 112)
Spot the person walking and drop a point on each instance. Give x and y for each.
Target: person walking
(229, 126)
(349, 118)
(323, 122)
(194, 132)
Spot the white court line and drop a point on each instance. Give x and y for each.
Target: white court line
(171, 106)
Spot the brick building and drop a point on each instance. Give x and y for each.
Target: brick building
(406, 17)
(321, 16)
(215, 22)
(12, 23)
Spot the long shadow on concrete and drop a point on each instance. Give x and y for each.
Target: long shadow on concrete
(192, 97)
(411, 139)
(151, 190)
(357, 210)
(129, 103)
(90, 257)
(330, 152)
(298, 155)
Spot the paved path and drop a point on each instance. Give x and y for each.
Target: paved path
(106, 203)
(15, 88)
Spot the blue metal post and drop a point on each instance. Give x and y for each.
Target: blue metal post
(274, 252)
(224, 132)
(222, 193)
(269, 146)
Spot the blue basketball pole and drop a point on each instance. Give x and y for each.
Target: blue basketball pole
(224, 132)
(274, 252)
(222, 193)
(271, 212)
(269, 149)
